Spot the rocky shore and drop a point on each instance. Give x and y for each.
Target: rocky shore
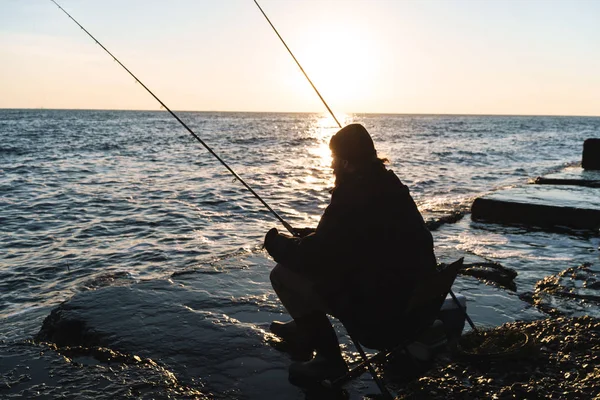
(560, 361)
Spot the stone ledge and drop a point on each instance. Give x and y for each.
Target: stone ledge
(574, 176)
(542, 206)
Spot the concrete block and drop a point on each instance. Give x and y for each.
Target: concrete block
(571, 176)
(544, 206)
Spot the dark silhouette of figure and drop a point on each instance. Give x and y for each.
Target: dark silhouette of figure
(369, 250)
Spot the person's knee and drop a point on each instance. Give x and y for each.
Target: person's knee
(275, 276)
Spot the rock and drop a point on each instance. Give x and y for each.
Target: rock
(540, 180)
(591, 154)
(575, 176)
(434, 223)
(492, 273)
(183, 328)
(534, 300)
(539, 376)
(542, 206)
(572, 289)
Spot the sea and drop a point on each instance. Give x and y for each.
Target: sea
(144, 235)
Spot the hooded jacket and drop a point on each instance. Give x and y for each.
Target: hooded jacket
(369, 250)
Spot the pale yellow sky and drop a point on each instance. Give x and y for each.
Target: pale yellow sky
(450, 57)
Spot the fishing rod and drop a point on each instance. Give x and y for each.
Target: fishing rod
(283, 222)
(378, 381)
(463, 309)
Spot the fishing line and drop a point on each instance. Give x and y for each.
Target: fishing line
(298, 63)
(463, 309)
(284, 223)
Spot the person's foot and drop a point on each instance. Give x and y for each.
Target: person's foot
(293, 343)
(285, 330)
(316, 370)
(296, 351)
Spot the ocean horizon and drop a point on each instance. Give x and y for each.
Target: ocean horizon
(306, 112)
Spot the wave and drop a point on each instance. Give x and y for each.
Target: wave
(13, 151)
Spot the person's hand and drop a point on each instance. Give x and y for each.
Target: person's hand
(303, 232)
(270, 238)
(277, 245)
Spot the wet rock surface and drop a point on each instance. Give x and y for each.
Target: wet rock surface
(545, 206)
(198, 342)
(540, 180)
(568, 198)
(491, 274)
(162, 320)
(563, 362)
(439, 220)
(575, 176)
(173, 337)
(42, 371)
(574, 290)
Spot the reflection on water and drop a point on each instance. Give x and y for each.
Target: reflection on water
(99, 199)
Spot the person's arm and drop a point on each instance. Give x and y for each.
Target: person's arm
(324, 245)
(303, 232)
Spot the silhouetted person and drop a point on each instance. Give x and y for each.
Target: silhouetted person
(360, 264)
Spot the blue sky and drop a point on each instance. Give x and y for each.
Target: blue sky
(465, 57)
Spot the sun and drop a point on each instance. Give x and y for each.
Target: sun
(341, 63)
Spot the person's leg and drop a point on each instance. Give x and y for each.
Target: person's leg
(299, 297)
(321, 335)
(296, 292)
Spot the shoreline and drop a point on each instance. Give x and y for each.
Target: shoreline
(562, 362)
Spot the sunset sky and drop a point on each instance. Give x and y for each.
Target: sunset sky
(439, 57)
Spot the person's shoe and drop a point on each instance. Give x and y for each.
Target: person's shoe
(296, 351)
(293, 343)
(285, 330)
(316, 370)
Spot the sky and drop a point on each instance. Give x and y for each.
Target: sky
(521, 57)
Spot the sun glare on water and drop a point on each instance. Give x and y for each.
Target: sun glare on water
(324, 127)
